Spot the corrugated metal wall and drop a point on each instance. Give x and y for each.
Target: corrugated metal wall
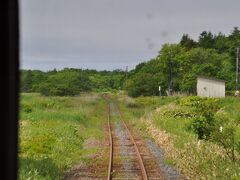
(210, 88)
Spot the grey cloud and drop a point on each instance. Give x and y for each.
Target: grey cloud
(112, 32)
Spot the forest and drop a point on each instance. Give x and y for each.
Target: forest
(70, 81)
(175, 69)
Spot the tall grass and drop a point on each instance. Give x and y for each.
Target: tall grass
(53, 130)
(167, 121)
(199, 159)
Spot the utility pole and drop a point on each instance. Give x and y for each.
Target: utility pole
(126, 72)
(237, 68)
(170, 75)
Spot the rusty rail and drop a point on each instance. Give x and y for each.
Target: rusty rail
(143, 170)
(110, 146)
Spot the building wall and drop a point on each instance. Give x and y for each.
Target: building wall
(210, 88)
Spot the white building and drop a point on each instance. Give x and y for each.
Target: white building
(210, 87)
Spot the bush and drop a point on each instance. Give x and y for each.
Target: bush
(230, 93)
(227, 138)
(212, 126)
(203, 126)
(204, 122)
(226, 135)
(48, 89)
(26, 108)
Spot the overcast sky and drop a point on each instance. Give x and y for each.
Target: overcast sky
(113, 34)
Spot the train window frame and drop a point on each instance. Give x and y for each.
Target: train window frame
(10, 88)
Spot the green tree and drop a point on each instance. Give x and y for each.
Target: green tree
(234, 43)
(162, 70)
(207, 62)
(221, 43)
(26, 83)
(65, 83)
(187, 42)
(144, 84)
(206, 40)
(169, 64)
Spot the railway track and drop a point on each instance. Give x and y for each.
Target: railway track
(125, 160)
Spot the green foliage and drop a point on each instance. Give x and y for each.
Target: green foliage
(227, 137)
(38, 169)
(49, 89)
(26, 83)
(206, 40)
(196, 160)
(204, 122)
(159, 71)
(26, 108)
(199, 159)
(177, 68)
(200, 103)
(187, 42)
(203, 126)
(52, 136)
(31, 79)
(65, 83)
(70, 82)
(177, 65)
(227, 134)
(106, 81)
(206, 62)
(142, 84)
(211, 124)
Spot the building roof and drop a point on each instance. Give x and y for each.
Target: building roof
(211, 78)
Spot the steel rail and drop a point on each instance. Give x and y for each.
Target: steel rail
(110, 146)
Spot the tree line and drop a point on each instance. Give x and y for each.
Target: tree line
(177, 66)
(175, 69)
(70, 81)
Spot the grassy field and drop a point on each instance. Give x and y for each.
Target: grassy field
(167, 120)
(53, 131)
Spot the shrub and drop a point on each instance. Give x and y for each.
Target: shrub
(203, 126)
(230, 93)
(226, 135)
(212, 126)
(204, 122)
(48, 89)
(26, 108)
